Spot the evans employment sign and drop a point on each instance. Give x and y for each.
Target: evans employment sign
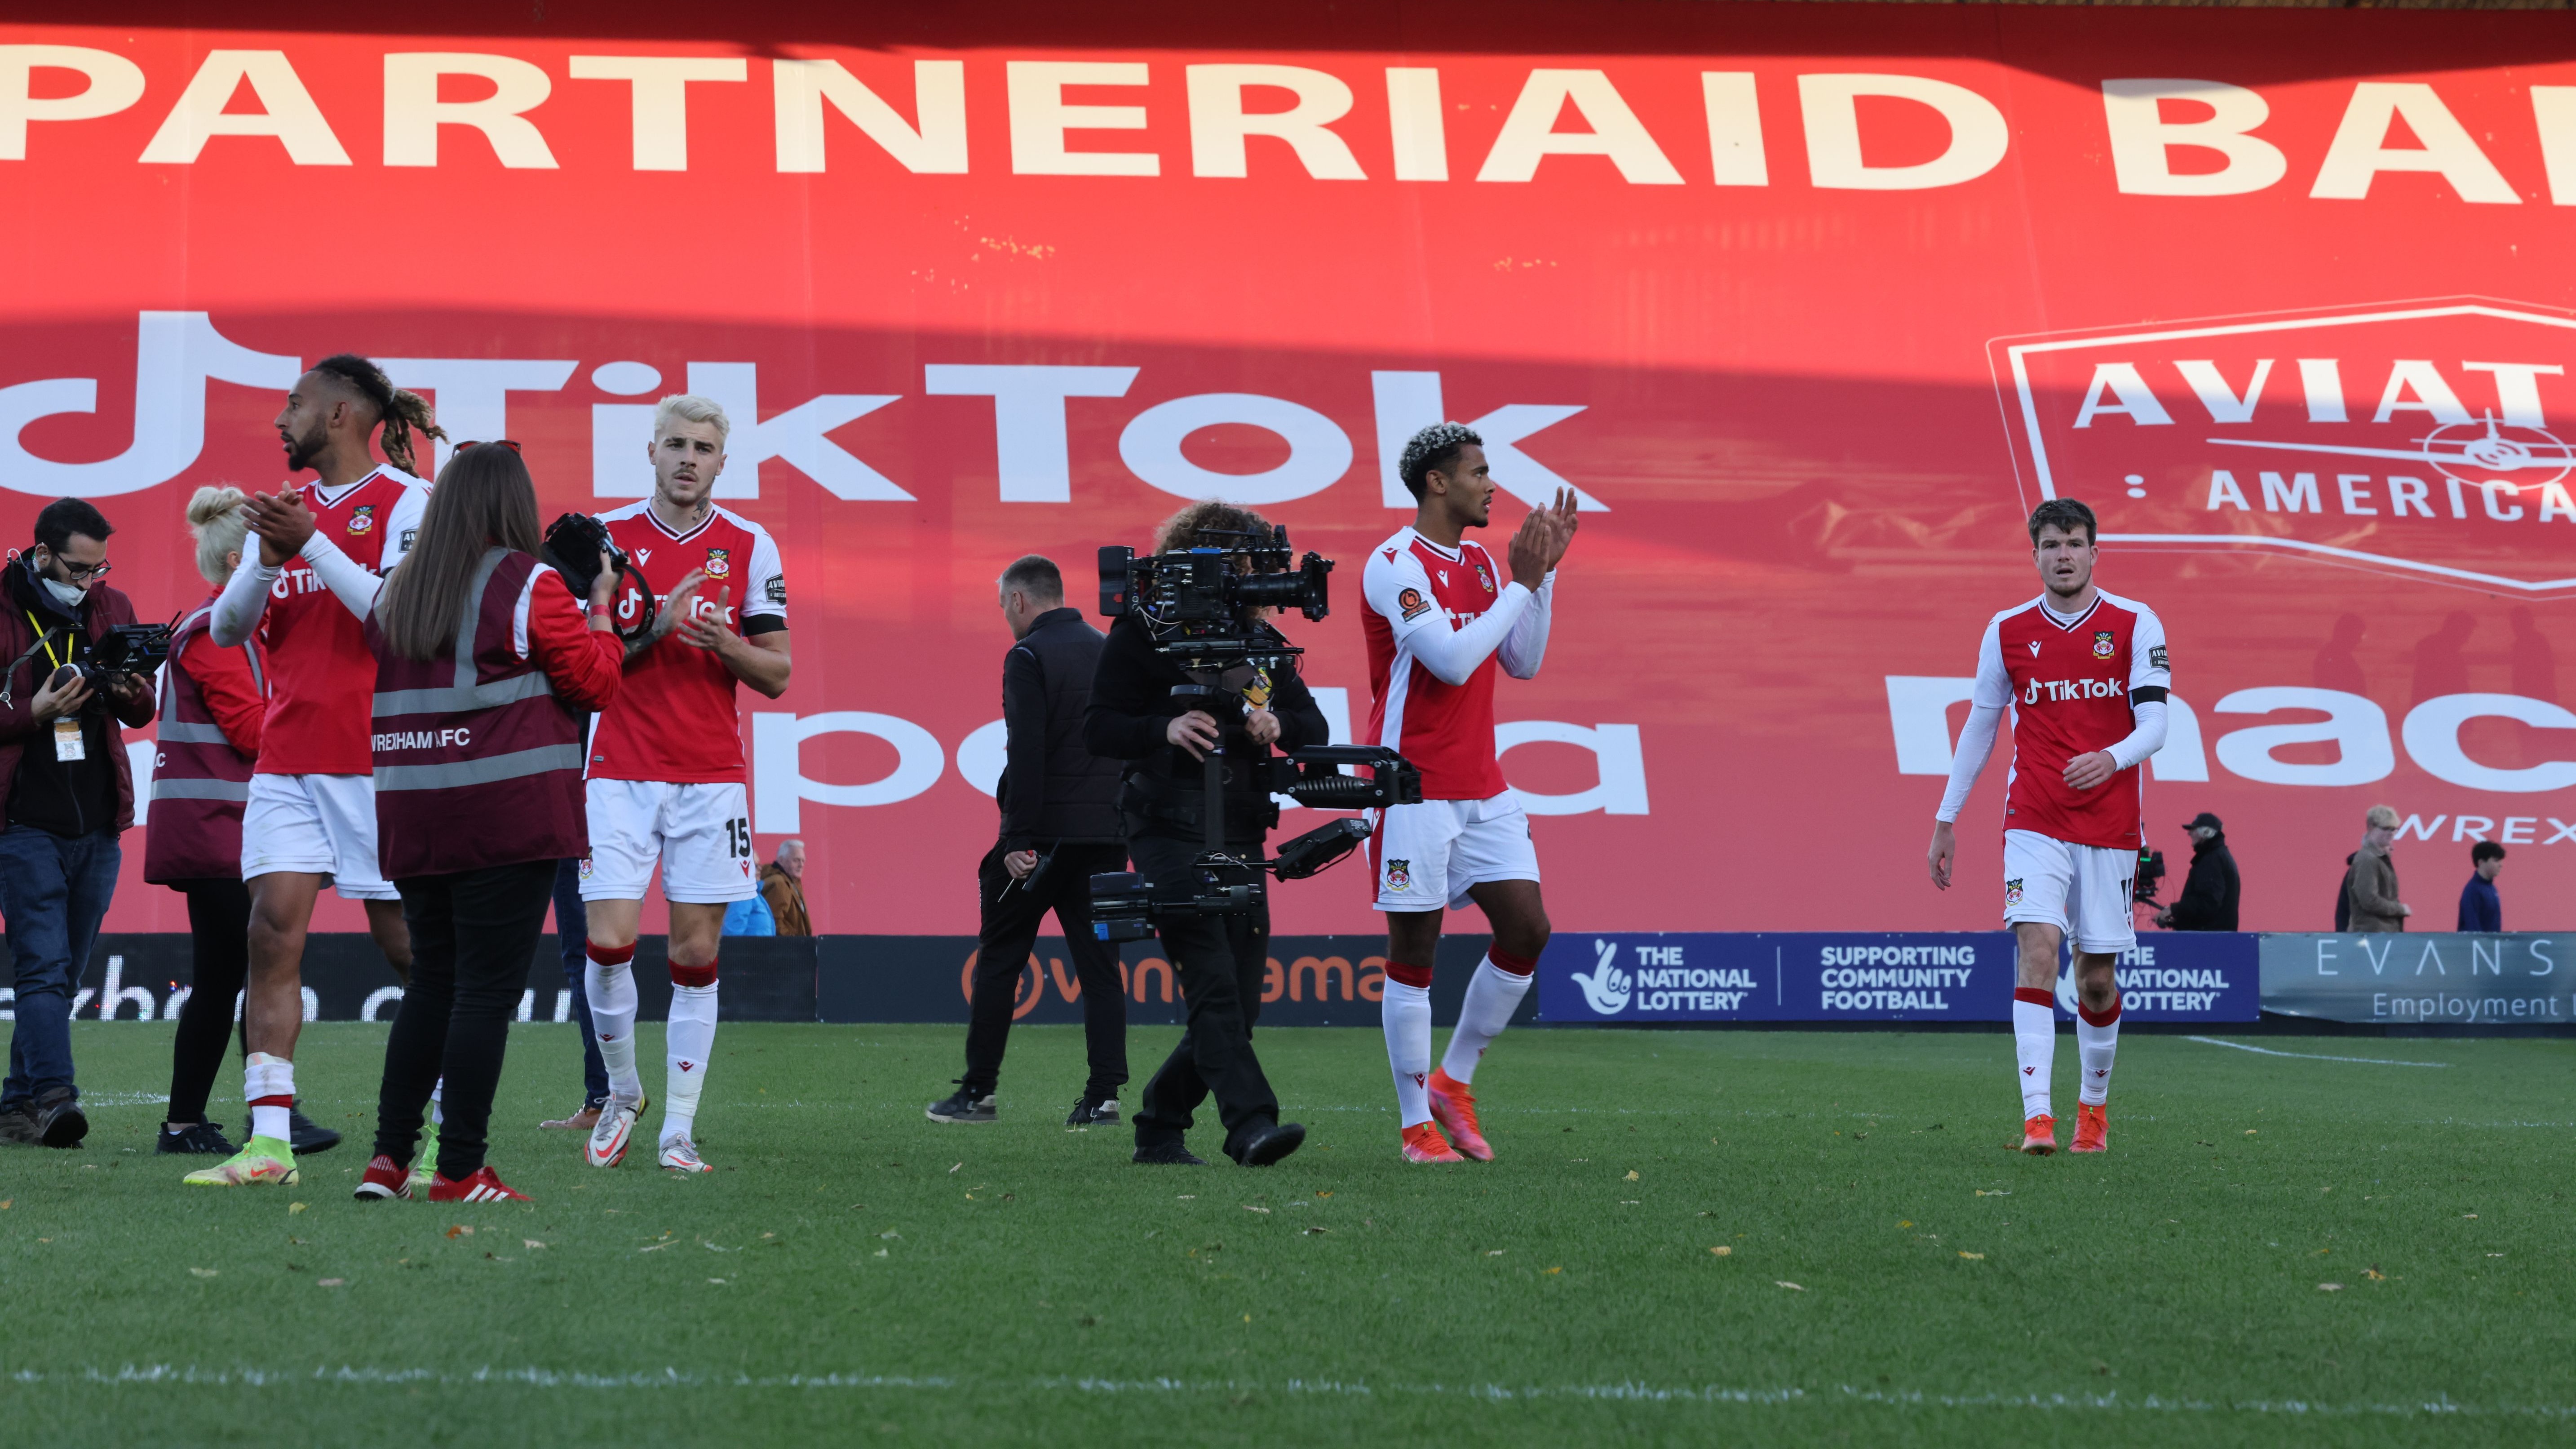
(2428, 980)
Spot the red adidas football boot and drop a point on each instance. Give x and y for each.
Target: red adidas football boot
(483, 1186)
(385, 1178)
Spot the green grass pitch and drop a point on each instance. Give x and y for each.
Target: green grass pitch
(853, 1272)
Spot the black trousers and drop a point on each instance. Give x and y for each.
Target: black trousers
(1012, 914)
(472, 936)
(572, 937)
(219, 943)
(1220, 963)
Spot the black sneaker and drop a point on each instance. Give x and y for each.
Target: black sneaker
(1091, 1111)
(308, 1136)
(59, 1120)
(1168, 1154)
(18, 1128)
(1268, 1144)
(962, 1105)
(202, 1139)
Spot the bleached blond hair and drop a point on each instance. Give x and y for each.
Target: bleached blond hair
(688, 407)
(215, 516)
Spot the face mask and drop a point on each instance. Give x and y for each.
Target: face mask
(64, 594)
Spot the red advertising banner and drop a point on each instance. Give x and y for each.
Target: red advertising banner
(1811, 303)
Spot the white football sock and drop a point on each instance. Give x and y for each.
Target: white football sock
(2095, 1046)
(2035, 1051)
(268, 1085)
(1406, 1015)
(691, 1036)
(1493, 994)
(611, 989)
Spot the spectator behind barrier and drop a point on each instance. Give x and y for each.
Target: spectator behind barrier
(2481, 909)
(2209, 895)
(2370, 881)
(782, 890)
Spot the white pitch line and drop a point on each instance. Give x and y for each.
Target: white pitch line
(2310, 1056)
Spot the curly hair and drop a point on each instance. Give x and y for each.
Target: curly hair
(1209, 523)
(1433, 448)
(402, 412)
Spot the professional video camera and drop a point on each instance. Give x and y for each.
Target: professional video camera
(1198, 602)
(125, 651)
(572, 548)
(2151, 874)
(1199, 607)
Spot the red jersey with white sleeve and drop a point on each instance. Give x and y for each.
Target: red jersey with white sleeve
(2073, 687)
(1438, 621)
(673, 720)
(321, 675)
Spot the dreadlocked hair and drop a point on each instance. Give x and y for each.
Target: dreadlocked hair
(402, 411)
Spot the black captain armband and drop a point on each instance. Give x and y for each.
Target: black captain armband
(757, 624)
(2147, 694)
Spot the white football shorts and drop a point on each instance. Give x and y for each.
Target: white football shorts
(1427, 854)
(317, 824)
(699, 834)
(2082, 890)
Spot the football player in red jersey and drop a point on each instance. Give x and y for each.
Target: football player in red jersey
(1440, 617)
(666, 768)
(311, 816)
(2085, 674)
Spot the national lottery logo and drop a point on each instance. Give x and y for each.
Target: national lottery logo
(1608, 988)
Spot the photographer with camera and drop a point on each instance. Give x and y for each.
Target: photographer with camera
(66, 793)
(1166, 738)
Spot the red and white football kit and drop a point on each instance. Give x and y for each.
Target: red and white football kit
(2095, 681)
(1439, 620)
(312, 795)
(666, 767)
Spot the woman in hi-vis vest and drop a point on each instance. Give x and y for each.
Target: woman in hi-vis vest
(485, 668)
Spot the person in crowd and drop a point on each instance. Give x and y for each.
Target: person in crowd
(1059, 828)
(2481, 909)
(782, 889)
(484, 667)
(2209, 893)
(572, 931)
(66, 795)
(2370, 881)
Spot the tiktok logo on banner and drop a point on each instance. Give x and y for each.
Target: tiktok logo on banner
(2416, 439)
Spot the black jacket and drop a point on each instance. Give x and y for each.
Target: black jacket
(1132, 704)
(2208, 900)
(1053, 788)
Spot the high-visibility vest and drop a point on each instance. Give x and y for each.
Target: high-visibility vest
(199, 781)
(477, 763)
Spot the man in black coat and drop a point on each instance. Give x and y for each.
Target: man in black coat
(2208, 901)
(1059, 827)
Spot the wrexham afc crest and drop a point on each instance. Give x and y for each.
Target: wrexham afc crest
(719, 564)
(1399, 875)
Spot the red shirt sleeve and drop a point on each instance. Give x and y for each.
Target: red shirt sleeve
(232, 696)
(584, 663)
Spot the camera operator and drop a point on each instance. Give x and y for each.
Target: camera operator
(1135, 717)
(67, 792)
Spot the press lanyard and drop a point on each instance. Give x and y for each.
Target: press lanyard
(69, 745)
(44, 637)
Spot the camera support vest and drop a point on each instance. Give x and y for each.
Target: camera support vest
(199, 781)
(477, 763)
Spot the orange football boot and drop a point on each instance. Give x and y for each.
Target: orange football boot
(1454, 1108)
(2039, 1136)
(2092, 1127)
(1423, 1143)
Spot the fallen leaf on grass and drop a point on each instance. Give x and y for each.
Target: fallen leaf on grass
(332, 1283)
(2468, 1215)
(1631, 1177)
(1792, 1287)
(293, 1208)
(1556, 1270)
(1905, 1222)
(653, 1248)
(1311, 1231)
(460, 1230)
(2330, 1287)
(1972, 1257)
(198, 1272)
(530, 1243)
(1319, 1192)
(889, 1233)
(1723, 1251)
(952, 1172)
(2249, 1131)
(1247, 1207)
(2373, 1274)
(5, 1203)
(1998, 1192)
(715, 1280)
(882, 1253)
